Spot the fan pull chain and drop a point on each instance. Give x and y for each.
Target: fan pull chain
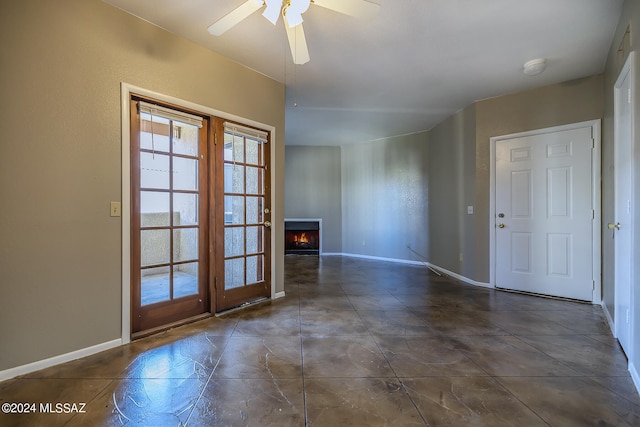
(295, 74)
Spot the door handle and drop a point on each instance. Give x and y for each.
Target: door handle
(501, 225)
(612, 226)
(267, 224)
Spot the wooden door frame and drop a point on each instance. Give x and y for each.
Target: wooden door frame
(126, 90)
(595, 199)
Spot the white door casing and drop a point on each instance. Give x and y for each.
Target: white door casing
(621, 228)
(543, 217)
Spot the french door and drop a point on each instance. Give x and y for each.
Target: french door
(244, 247)
(200, 213)
(169, 215)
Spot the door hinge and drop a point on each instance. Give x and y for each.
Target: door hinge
(593, 288)
(215, 139)
(629, 96)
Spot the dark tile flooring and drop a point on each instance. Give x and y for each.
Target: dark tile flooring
(355, 343)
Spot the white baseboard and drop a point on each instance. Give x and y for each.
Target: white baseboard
(56, 360)
(375, 258)
(610, 321)
(278, 295)
(460, 277)
(634, 376)
(444, 271)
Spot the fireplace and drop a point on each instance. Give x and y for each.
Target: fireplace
(302, 236)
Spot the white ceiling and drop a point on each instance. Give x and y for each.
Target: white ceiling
(413, 65)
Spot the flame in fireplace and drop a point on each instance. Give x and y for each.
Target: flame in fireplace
(301, 239)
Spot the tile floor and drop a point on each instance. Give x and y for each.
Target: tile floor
(355, 343)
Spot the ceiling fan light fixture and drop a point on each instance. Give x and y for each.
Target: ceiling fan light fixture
(272, 11)
(294, 19)
(299, 6)
(292, 11)
(535, 66)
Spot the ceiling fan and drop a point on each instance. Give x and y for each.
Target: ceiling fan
(292, 11)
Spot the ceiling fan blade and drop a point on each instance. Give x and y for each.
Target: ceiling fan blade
(235, 17)
(297, 43)
(358, 8)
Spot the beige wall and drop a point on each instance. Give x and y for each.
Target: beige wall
(443, 171)
(313, 190)
(451, 171)
(60, 252)
(384, 198)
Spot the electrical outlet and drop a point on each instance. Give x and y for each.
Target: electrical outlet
(115, 209)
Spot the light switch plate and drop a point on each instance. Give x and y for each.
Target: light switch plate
(115, 209)
(470, 210)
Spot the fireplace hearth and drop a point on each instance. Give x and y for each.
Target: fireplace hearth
(302, 237)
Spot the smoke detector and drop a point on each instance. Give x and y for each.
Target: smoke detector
(534, 67)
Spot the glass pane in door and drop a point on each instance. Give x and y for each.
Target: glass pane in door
(154, 133)
(155, 247)
(185, 280)
(185, 209)
(185, 174)
(156, 285)
(254, 269)
(233, 273)
(154, 170)
(154, 208)
(185, 244)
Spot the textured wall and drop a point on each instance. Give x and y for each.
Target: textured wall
(313, 190)
(452, 177)
(60, 165)
(384, 197)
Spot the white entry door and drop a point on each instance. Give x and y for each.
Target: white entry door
(544, 214)
(621, 228)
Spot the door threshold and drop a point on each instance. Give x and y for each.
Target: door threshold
(158, 329)
(533, 294)
(242, 306)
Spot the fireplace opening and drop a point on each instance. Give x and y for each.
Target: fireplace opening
(302, 237)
